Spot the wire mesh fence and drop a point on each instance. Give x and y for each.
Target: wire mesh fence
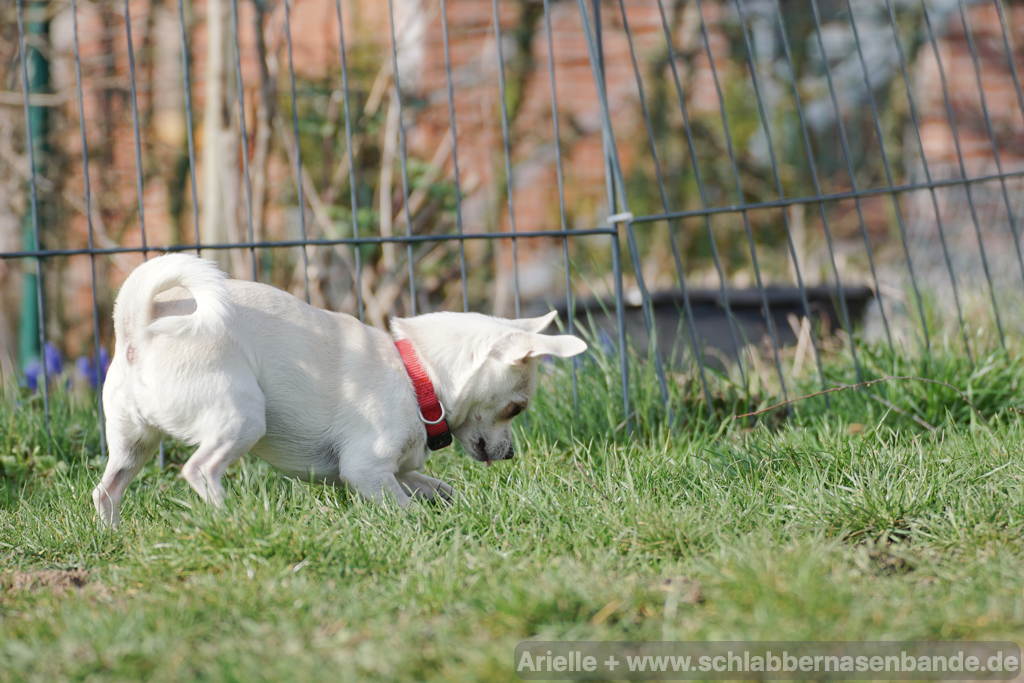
(733, 188)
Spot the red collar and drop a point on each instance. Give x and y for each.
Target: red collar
(432, 413)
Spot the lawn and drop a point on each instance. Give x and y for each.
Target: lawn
(846, 520)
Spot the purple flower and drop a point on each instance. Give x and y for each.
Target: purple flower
(53, 359)
(87, 368)
(32, 372)
(84, 366)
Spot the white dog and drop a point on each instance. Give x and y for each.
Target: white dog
(234, 367)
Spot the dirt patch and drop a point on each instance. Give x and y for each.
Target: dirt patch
(687, 591)
(889, 564)
(56, 580)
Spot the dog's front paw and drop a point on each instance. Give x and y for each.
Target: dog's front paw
(422, 487)
(444, 493)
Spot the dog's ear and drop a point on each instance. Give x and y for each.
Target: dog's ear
(519, 347)
(538, 324)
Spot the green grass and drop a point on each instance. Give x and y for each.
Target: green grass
(844, 521)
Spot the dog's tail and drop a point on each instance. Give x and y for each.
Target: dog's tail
(133, 309)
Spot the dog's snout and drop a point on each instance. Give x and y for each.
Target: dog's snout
(488, 451)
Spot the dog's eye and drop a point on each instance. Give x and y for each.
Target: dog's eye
(513, 409)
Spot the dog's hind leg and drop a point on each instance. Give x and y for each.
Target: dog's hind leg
(235, 436)
(130, 447)
(371, 479)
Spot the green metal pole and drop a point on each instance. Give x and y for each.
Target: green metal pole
(37, 30)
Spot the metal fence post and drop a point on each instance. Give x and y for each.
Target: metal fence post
(38, 81)
(611, 190)
(34, 79)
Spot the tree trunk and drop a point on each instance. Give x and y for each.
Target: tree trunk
(219, 140)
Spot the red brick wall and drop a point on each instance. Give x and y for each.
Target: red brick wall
(474, 64)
